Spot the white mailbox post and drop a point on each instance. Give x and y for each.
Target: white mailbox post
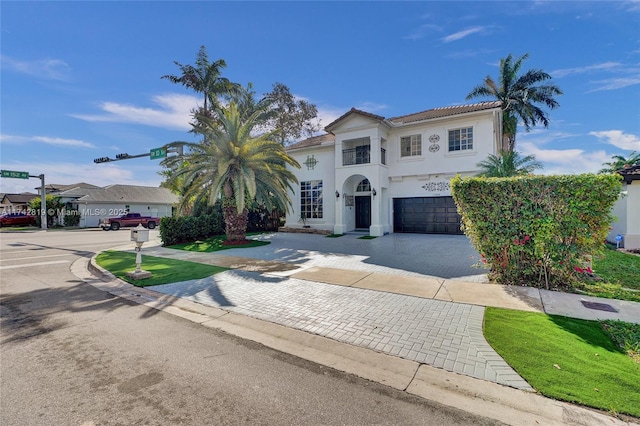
(139, 235)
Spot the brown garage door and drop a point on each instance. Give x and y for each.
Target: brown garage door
(426, 215)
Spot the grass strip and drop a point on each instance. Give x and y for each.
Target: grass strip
(567, 359)
(163, 270)
(618, 276)
(366, 237)
(216, 243)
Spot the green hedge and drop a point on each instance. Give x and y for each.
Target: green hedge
(537, 230)
(181, 229)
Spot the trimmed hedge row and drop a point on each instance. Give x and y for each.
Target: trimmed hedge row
(184, 229)
(537, 231)
(181, 229)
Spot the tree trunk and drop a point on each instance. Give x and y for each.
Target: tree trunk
(235, 224)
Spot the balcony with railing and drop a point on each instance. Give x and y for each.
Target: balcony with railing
(358, 155)
(361, 155)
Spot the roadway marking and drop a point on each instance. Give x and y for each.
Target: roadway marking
(36, 257)
(26, 265)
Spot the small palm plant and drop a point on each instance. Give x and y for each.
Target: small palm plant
(508, 164)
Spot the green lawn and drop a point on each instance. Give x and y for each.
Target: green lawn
(619, 277)
(568, 359)
(216, 244)
(164, 271)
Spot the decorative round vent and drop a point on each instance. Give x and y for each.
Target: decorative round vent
(434, 148)
(434, 138)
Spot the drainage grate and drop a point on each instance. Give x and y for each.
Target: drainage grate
(599, 306)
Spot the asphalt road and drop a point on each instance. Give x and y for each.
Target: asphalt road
(74, 355)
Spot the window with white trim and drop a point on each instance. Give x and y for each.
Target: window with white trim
(311, 199)
(461, 139)
(411, 146)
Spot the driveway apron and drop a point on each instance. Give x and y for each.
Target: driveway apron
(442, 334)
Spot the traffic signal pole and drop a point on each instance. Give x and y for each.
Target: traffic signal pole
(155, 154)
(43, 203)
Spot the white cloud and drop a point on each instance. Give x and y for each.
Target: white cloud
(565, 161)
(615, 83)
(372, 107)
(605, 66)
(47, 140)
(462, 34)
(422, 31)
(329, 114)
(619, 139)
(174, 112)
(47, 69)
(69, 173)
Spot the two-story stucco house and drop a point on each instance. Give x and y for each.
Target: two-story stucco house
(391, 174)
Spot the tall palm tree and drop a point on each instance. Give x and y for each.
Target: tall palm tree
(205, 77)
(508, 164)
(519, 95)
(236, 166)
(619, 162)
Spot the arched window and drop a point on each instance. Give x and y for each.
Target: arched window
(364, 186)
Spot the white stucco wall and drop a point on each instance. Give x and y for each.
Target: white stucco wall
(322, 171)
(627, 210)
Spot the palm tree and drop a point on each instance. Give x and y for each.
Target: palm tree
(205, 78)
(508, 164)
(519, 95)
(234, 165)
(619, 162)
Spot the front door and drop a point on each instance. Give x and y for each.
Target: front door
(363, 212)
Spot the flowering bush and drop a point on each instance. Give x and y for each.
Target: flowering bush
(536, 230)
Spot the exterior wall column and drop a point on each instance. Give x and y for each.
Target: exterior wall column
(339, 227)
(632, 235)
(376, 229)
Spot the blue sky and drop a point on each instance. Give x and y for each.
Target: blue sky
(81, 80)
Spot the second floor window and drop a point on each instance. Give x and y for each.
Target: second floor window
(411, 146)
(461, 139)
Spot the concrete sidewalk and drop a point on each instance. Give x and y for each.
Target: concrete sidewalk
(405, 330)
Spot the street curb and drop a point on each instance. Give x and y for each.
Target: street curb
(479, 397)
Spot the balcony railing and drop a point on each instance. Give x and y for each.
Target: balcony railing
(357, 155)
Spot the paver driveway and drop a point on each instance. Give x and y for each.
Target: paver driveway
(444, 256)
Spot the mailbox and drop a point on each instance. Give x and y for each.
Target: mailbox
(140, 234)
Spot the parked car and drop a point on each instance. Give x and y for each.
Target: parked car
(127, 220)
(15, 219)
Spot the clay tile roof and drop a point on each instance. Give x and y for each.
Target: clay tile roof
(630, 173)
(313, 141)
(353, 111)
(444, 112)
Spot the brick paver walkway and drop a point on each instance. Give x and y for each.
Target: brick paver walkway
(442, 334)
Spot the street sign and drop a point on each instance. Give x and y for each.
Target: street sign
(16, 175)
(158, 153)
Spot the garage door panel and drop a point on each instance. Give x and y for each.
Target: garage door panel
(430, 215)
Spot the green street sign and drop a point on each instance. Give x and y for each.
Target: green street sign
(16, 175)
(158, 153)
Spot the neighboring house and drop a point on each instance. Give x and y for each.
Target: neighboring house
(55, 188)
(95, 203)
(627, 210)
(15, 203)
(387, 175)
